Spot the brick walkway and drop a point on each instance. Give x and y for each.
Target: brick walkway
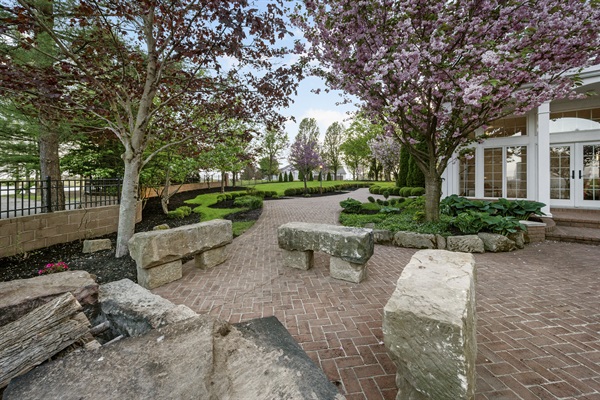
(538, 309)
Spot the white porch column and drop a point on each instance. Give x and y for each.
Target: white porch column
(543, 156)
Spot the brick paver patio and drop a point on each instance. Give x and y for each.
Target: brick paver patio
(538, 309)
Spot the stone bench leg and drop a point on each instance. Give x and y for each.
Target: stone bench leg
(346, 270)
(159, 275)
(211, 258)
(298, 259)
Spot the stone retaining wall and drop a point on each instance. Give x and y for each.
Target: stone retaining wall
(31, 232)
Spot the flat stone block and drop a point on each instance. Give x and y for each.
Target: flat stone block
(211, 258)
(347, 271)
(151, 278)
(298, 259)
(91, 246)
(351, 244)
(152, 248)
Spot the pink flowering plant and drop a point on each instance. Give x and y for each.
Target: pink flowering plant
(51, 268)
(434, 72)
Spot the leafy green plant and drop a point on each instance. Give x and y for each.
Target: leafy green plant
(386, 194)
(371, 199)
(251, 202)
(417, 191)
(180, 212)
(389, 210)
(351, 206)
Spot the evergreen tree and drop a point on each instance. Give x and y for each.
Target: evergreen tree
(290, 177)
(403, 172)
(300, 175)
(328, 175)
(280, 177)
(311, 177)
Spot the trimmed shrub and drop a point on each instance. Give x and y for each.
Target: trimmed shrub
(371, 199)
(380, 202)
(251, 202)
(405, 191)
(351, 206)
(328, 176)
(386, 194)
(417, 191)
(395, 191)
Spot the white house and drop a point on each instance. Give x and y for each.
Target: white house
(551, 155)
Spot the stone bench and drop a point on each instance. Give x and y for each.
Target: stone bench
(429, 326)
(349, 248)
(158, 253)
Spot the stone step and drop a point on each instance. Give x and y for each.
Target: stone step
(575, 234)
(576, 218)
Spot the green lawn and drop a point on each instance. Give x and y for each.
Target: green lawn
(280, 187)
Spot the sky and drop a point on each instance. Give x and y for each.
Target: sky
(306, 104)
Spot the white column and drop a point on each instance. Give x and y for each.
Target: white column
(543, 156)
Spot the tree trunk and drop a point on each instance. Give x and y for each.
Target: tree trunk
(234, 176)
(50, 167)
(129, 198)
(37, 336)
(222, 182)
(433, 192)
(305, 186)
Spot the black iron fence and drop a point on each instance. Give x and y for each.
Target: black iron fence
(27, 197)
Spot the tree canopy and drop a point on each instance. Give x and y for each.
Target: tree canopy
(150, 68)
(436, 71)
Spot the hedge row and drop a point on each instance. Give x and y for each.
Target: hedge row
(299, 191)
(265, 194)
(396, 191)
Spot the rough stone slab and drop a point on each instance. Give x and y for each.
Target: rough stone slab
(269, 333)
(441, 242)
(152, 248)
(211, 258)
(347, 271)
(415, 240)
(21, 296)
(160, 275)
(382, 236)
(133, 310)
(465, 244)
(496, 243)
(351, 244)
(518, 238)
(303, 260)
(429, 326)
(94, 245)
(200, 358)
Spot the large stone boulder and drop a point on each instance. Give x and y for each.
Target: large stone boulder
(415, 240)
(354, 245)
(465, 244)
(200, 358)
(496, 243)
(153, 248)
(21, 296)
(429, 327)
(94, 245)
(133, 310)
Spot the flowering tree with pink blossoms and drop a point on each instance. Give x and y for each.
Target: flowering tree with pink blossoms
(386, 149)
(304, 155)
(435, 71)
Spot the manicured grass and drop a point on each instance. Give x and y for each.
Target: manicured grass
(241, 227)
(280, 187)
(202, 203)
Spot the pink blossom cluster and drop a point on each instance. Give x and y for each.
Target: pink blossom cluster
(386, 150)
(53, 267)
(304, 154)
(439, 70)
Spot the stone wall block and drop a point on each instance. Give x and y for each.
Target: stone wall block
(496, 243)
(94, 245)
(465, 244)
(429, 326)
(415, 240)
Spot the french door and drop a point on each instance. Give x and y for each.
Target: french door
(575, 175)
